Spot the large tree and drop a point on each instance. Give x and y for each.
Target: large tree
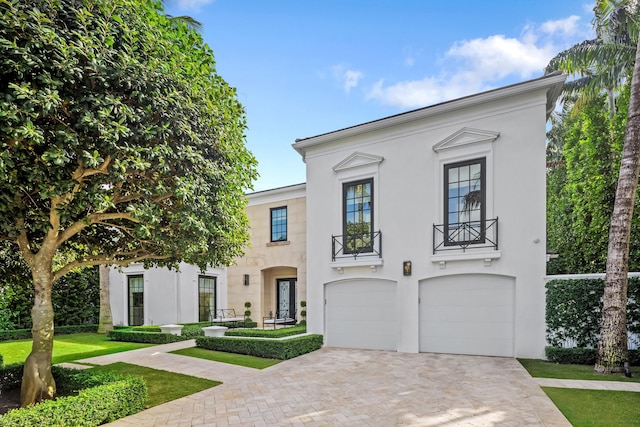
(604, 65)
(119, 143)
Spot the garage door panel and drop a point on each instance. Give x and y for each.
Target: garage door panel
(361, 314)
(467, 315)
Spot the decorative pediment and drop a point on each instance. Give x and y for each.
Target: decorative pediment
(356, 160)
(466, 136)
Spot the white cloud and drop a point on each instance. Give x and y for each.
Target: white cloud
(471, 66)
(193, 5)
(347, 78)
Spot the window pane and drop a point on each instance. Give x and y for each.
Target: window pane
(358, 216)
(279, 224)
(464, 201)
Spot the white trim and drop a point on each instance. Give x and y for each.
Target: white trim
(466, 136)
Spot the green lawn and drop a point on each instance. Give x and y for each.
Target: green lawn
(597, 407)
(588, 407)
(162, 386)
(544, 369)
(235, 359)
(68, 347)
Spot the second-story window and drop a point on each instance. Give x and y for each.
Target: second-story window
(358, 216)
(279, 224)
(464, 204)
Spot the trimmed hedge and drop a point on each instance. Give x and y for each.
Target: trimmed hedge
(143, 337)
(24, 334)
(1, 361)
(267, 333)
(101, 398)
(582, 356)
(271, 349)
(574, 310)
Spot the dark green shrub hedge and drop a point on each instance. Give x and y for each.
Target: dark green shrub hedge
(10, 376)
(143, 337)
(23, 334)
(267, 333)
(101, 398)
(1, 361)
(582, 356)
(574, 310)
(272, 349)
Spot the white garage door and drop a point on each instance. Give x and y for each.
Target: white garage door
(468, 315)
(361, 314)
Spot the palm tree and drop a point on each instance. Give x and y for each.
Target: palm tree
(604, 64)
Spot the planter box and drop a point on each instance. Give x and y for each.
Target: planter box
(214, 331)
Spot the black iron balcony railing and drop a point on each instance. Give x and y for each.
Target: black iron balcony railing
(463, 235)
(356, 245)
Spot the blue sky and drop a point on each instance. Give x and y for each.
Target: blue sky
(305, 67)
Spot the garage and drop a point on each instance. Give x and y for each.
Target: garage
(468, 314)
(361, 314)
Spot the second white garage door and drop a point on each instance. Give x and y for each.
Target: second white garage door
(361, 314)
(468, 314)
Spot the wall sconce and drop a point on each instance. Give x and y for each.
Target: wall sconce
(406, 268)
(245, 280)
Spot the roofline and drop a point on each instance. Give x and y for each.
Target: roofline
(552, 81)
(278, 192)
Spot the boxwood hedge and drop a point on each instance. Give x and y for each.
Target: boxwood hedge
(269, 348)
(100, 398)
(23, 334)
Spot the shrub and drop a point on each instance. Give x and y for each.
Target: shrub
(574, 310)
(267, 333)
(10, 376)
(582, 356)
(272, 349)
(101, 398)
(24, 334)
(144, 337)
(1, 361)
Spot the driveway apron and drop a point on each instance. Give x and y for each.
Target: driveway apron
(346, 387)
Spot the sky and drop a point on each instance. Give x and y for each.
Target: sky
(305, 67)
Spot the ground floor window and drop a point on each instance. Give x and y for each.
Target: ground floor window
(136, 300)
(206, 298)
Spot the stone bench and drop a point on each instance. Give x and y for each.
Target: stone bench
(214, 331)
(171, 329)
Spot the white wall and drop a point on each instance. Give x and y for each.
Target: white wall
(169, 297)
(408, 200)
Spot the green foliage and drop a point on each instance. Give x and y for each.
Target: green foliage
(267, 333)
(272, 349)
(1, 361)
(101, 398)
(22, 334)
(574, 310)
(115, 126)
(144, 337)
(575, 355)
(581, 188)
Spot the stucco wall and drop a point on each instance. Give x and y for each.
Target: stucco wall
(408, 200)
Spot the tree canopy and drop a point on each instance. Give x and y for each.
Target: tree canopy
(120, 142)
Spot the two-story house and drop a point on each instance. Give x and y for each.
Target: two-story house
(426, 230)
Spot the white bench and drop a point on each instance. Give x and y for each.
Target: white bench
(171, 329)
(280, 319)
(214, 331)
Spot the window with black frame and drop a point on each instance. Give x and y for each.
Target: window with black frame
(136, 300)
(206, 298)
(358, 216)
(464, 211)
(279, 224)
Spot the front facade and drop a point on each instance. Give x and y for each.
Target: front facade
(426, 230)
(271, 274)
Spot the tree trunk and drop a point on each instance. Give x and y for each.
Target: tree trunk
(37, 381)
(106, 320)
(612, 347)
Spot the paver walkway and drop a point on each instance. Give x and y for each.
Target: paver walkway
(345, 387)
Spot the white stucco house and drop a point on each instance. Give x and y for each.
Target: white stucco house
(426, 230)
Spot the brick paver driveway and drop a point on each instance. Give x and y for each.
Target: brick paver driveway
(342, 387)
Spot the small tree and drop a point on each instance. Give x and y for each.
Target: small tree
(119, 143)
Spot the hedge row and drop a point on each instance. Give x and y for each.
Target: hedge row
(582, 356)
(574, 310)
(101, 398)
(267, 333)
(143, 337)
(272, 349)
(23, 334)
